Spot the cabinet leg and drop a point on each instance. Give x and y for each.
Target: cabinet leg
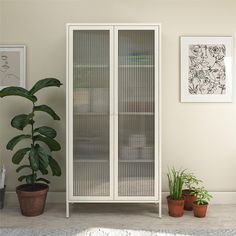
(67, 209)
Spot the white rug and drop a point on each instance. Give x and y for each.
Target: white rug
(112, 232)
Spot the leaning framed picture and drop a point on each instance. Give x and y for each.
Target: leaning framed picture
(206, 69)
(12, 65)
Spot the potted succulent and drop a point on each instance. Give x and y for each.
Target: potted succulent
(175, 200)
(35, 159)
(191, 182)
(201, 203)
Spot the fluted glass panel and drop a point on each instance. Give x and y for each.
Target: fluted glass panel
(136, 112)
(91, 113)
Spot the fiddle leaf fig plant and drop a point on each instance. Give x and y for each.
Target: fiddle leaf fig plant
(39, 158)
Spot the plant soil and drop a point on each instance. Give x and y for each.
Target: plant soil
(32, 187)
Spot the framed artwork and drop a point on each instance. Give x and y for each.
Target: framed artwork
(12, 65)
(206, 69)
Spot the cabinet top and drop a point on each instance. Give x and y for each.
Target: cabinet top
(115, 24)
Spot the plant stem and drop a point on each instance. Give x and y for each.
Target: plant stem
(32, 135)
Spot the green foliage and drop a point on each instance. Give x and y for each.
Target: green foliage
(56, 170)
(38, 157)
(19, 155)
(176, 181)
(52, 143)
(20, 121)
(202, 195)
(48, 110)
(12, 143)
(46, 131)
(191, 181)
(44, 180)
(43, 83)
(22, 167)
(17, 91)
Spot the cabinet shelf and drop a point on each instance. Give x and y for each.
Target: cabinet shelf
(107, 66)
(91, 161)
(120, 113)
(121, 160)
(91, 66)
(84, 87)
(137, 113)
(136, 66)
(136, 161)
(90, 113)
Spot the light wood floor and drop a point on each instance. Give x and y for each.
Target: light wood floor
(120, 216)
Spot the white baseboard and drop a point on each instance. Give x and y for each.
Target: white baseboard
(60, 197)
(218, 197)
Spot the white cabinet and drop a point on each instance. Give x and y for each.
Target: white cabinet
(113, 113)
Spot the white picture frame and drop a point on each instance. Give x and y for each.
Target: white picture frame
(206, 69)
(12, 65)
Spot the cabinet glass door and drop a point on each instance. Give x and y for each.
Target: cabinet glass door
(136, 82)
(91, 117)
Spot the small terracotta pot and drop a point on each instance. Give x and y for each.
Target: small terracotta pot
(175, 207)
(32, 198)
(188, 200)
(200, 210)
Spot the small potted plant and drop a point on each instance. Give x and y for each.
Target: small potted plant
(175, 200)
(201, 203)
(35, 159)
(191, 183)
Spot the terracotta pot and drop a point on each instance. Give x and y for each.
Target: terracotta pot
(32, 198)
(200, 210)
(175, 207)
(188, 200)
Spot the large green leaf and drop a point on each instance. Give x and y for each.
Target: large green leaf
(12, 143)
(43, 83)
(30, 179)
(21, 178)
(43, 157)
(17, 91)
(56, 169)
(20, 121)
(46, 131)
(34, 158)
(44, 180)
(52, 143)
(38, 158)
(48, 110)
(43, 170)
(22, 167)
(19, 155)
(43, 160)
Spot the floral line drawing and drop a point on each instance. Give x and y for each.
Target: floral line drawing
(207, 69)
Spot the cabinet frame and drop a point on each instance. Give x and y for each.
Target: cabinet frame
(113, 159)
(71, 196)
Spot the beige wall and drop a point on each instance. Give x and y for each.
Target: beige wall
(201, 137)
(1, 19)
